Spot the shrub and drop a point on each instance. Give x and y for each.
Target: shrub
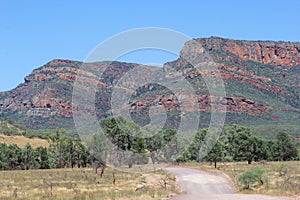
(282, 169)
(252, 176)
(228, 159)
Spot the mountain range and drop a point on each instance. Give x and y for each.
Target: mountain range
(261, 78)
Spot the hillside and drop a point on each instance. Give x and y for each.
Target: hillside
(11, 133)
(261, 79)
(22, 141)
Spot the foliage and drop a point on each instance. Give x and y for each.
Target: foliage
(282, 169)
(285, 148)
(66, 151)
(133, 146)
(269, 131)
(252, 176)
(194, 149)
(243, 145)
(11, 128)
(127, 138)
(63, 152)
(216, 154)
(162, 144)
(238, 144)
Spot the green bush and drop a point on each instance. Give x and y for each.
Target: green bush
(252, 176)
(282, 169)
(228, 159)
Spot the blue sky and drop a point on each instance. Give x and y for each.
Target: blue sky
(35, 32)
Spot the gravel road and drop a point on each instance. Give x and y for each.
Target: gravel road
(200, 184)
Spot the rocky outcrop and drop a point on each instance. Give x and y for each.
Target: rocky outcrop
(266, 52)
(233, 104)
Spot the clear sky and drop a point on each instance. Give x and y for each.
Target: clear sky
(35, 32)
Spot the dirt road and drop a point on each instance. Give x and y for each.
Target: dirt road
(199, 184)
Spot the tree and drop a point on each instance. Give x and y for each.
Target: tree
(241, 144)
(244, 146)
(216, 154)
(14, 157)
(126, 136)
(162, 143)
(153, 143)
(271, 146)
(43, 159)
(3, 156)
(29, 157)
(80, 155)
(98, 147)
(65, 151)
(262, 150)
(284, 147)
(170, 148)
(68, 152)
(194, 149)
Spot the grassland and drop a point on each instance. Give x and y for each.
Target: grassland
(84, 184)
(278, 180)
(21, 141)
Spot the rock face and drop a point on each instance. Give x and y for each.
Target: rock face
(274, 53)
(261, 79)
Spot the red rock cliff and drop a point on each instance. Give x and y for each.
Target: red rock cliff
(267, 52)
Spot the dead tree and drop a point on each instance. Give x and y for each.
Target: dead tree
(48, 187)
(97, 163)
(15, 193)
(114, 178)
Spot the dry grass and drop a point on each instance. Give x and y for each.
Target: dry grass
(83, 184)
(275, 184)
(21, 141)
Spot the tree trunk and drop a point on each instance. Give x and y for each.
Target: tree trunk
(215, 164)
(152, 156)
(102, 171)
